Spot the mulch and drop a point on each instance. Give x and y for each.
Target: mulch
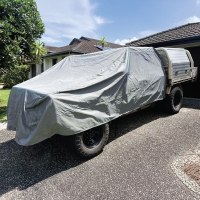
(193, 171)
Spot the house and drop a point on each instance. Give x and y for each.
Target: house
(83, 45)
(186, 36)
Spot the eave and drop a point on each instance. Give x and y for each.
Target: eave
(62, 53)
(179, 42)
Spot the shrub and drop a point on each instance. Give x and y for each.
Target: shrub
(1, 79)
(15, 75)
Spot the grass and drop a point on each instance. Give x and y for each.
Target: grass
(4, 94)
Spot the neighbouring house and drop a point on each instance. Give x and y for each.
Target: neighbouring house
(83, 45)
(186, 36)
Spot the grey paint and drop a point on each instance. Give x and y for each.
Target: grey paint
(178, 60)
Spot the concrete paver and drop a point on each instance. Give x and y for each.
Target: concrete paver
(135, 164)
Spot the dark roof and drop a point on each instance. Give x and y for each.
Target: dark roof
(176, 34)
(80, 46)
(51, 48)
(63, 49)
(96, 42)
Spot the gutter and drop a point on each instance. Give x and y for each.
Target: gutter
(62, 52)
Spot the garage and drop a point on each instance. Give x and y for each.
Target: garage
(186, 36)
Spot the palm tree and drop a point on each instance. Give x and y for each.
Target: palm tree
(38, 51)
(103, 42)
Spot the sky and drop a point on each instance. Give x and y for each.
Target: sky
(121, 21)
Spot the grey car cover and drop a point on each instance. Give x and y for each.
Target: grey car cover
(84, 91)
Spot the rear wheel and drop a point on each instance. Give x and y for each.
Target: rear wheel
(91, 142)
(174, 100)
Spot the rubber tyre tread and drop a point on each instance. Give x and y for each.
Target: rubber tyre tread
(85, 152)
(169, 101)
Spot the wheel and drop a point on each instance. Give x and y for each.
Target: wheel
(91, 142)
(174, 100)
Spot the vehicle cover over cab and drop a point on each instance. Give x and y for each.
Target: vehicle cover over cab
(85, 91)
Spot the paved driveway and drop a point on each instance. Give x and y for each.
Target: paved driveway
(134, 165)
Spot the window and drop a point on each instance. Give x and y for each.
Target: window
(33, 70)
(42, 67)
(54, 61)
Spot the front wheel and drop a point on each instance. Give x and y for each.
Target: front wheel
(91, 142)
(174, 100)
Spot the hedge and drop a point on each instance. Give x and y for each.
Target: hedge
(15, 75)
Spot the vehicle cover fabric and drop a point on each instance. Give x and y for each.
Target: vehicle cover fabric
(84, 91)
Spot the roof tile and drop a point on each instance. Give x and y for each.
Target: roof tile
(82, 45)
(181, 32)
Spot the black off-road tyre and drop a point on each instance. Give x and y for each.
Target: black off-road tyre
(173, 101)
(90, 143)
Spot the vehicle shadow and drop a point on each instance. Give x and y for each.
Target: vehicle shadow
(22, 167)
(125, 124)
(131, 122)
(191, 103)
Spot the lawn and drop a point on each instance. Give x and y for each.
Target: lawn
(4, 94)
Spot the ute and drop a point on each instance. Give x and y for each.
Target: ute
(81, 94)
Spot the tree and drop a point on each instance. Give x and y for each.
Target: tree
(38, 51)
(103, 42)
(20, 26)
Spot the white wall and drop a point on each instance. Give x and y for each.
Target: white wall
(38, 69)
(47, 63)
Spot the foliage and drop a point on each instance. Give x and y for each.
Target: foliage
(4, 94)
(15, 75)
(102, 41)
(38, 51)
(1, 78)
(20, 26)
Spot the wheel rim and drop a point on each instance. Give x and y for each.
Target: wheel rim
(177, 99)
(92, 137)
